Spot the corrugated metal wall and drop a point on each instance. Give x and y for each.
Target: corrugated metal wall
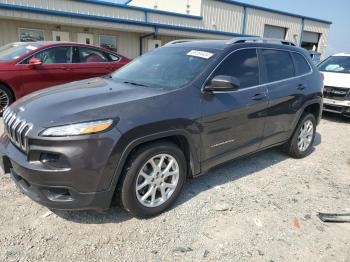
(82, 8)
(256, 20)
(127, 43)
(222, 16)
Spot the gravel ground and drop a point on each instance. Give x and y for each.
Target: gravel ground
(263, 208)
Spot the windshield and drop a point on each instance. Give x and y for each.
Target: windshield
(168, 68)
(15, 50)
(337, 64)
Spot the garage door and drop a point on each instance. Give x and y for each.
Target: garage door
(271, 31)
(310, 37)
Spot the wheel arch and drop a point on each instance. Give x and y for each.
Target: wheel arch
(313, 106)
(179, 137)
(10, 88)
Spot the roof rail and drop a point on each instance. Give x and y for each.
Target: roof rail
(180, 41)
(257, 39)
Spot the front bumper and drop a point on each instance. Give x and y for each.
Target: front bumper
(336, 106)
(85, 183)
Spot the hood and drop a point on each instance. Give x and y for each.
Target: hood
(87, 100)
(336, 79)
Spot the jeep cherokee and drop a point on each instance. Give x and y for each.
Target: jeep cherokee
(172, 113)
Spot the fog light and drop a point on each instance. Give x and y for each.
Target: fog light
(57, 194)
(54, 160)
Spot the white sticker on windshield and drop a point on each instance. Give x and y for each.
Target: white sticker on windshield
(30, 47)
(201, 54)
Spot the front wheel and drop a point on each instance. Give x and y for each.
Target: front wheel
(6, 98)
(300, 145)
(152, 179)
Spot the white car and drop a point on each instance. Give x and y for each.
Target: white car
(336, 94)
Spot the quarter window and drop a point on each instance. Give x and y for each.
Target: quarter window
(243, 65)
(89, 55)
(302, 66)
(278, 64)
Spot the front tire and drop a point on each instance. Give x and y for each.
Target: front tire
(300, 145)
(152, 179)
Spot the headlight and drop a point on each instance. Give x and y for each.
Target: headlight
(78, 129)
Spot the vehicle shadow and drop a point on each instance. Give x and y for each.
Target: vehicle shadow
(217, 176)
(113, 215)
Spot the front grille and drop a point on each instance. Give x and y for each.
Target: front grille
(17, 129)
(337, 93)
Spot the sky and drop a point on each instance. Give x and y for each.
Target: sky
(336, 11)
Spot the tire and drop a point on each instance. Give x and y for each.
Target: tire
(6, 98)
(294, 146)
(131, 199)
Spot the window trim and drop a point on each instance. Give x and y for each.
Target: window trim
(44, 49)
(295, 64)
(260, 85)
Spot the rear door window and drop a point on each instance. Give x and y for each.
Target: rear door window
(302, 66)
(243, 65)
(278, 63)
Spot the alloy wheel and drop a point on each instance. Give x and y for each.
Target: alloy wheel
(305, 135)
(157, 180)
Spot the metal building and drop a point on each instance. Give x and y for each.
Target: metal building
(136, 26)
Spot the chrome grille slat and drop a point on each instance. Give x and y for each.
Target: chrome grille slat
(17, 129)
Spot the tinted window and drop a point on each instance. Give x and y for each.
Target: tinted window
(278, 64)
(243, 65)
(89, 55)
(54, 55)
(302, 66)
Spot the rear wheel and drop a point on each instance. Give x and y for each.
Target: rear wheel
(300, 145)
(6, 98)
(152, 179)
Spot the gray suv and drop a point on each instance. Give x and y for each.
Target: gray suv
(176, 112)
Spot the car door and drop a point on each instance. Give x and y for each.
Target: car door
(54, 70)
(233, 122)
(285, 94)
(92, 63)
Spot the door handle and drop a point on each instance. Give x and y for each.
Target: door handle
(301, 87)
(259, 96)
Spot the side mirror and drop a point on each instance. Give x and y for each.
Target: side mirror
(223, 83)
(35, 61)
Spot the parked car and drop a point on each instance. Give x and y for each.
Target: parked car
(172, 113)
(336, 93)
(27, 67)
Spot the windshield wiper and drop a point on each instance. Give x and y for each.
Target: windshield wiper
(134, 83)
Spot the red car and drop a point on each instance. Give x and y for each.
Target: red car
(30, 66)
